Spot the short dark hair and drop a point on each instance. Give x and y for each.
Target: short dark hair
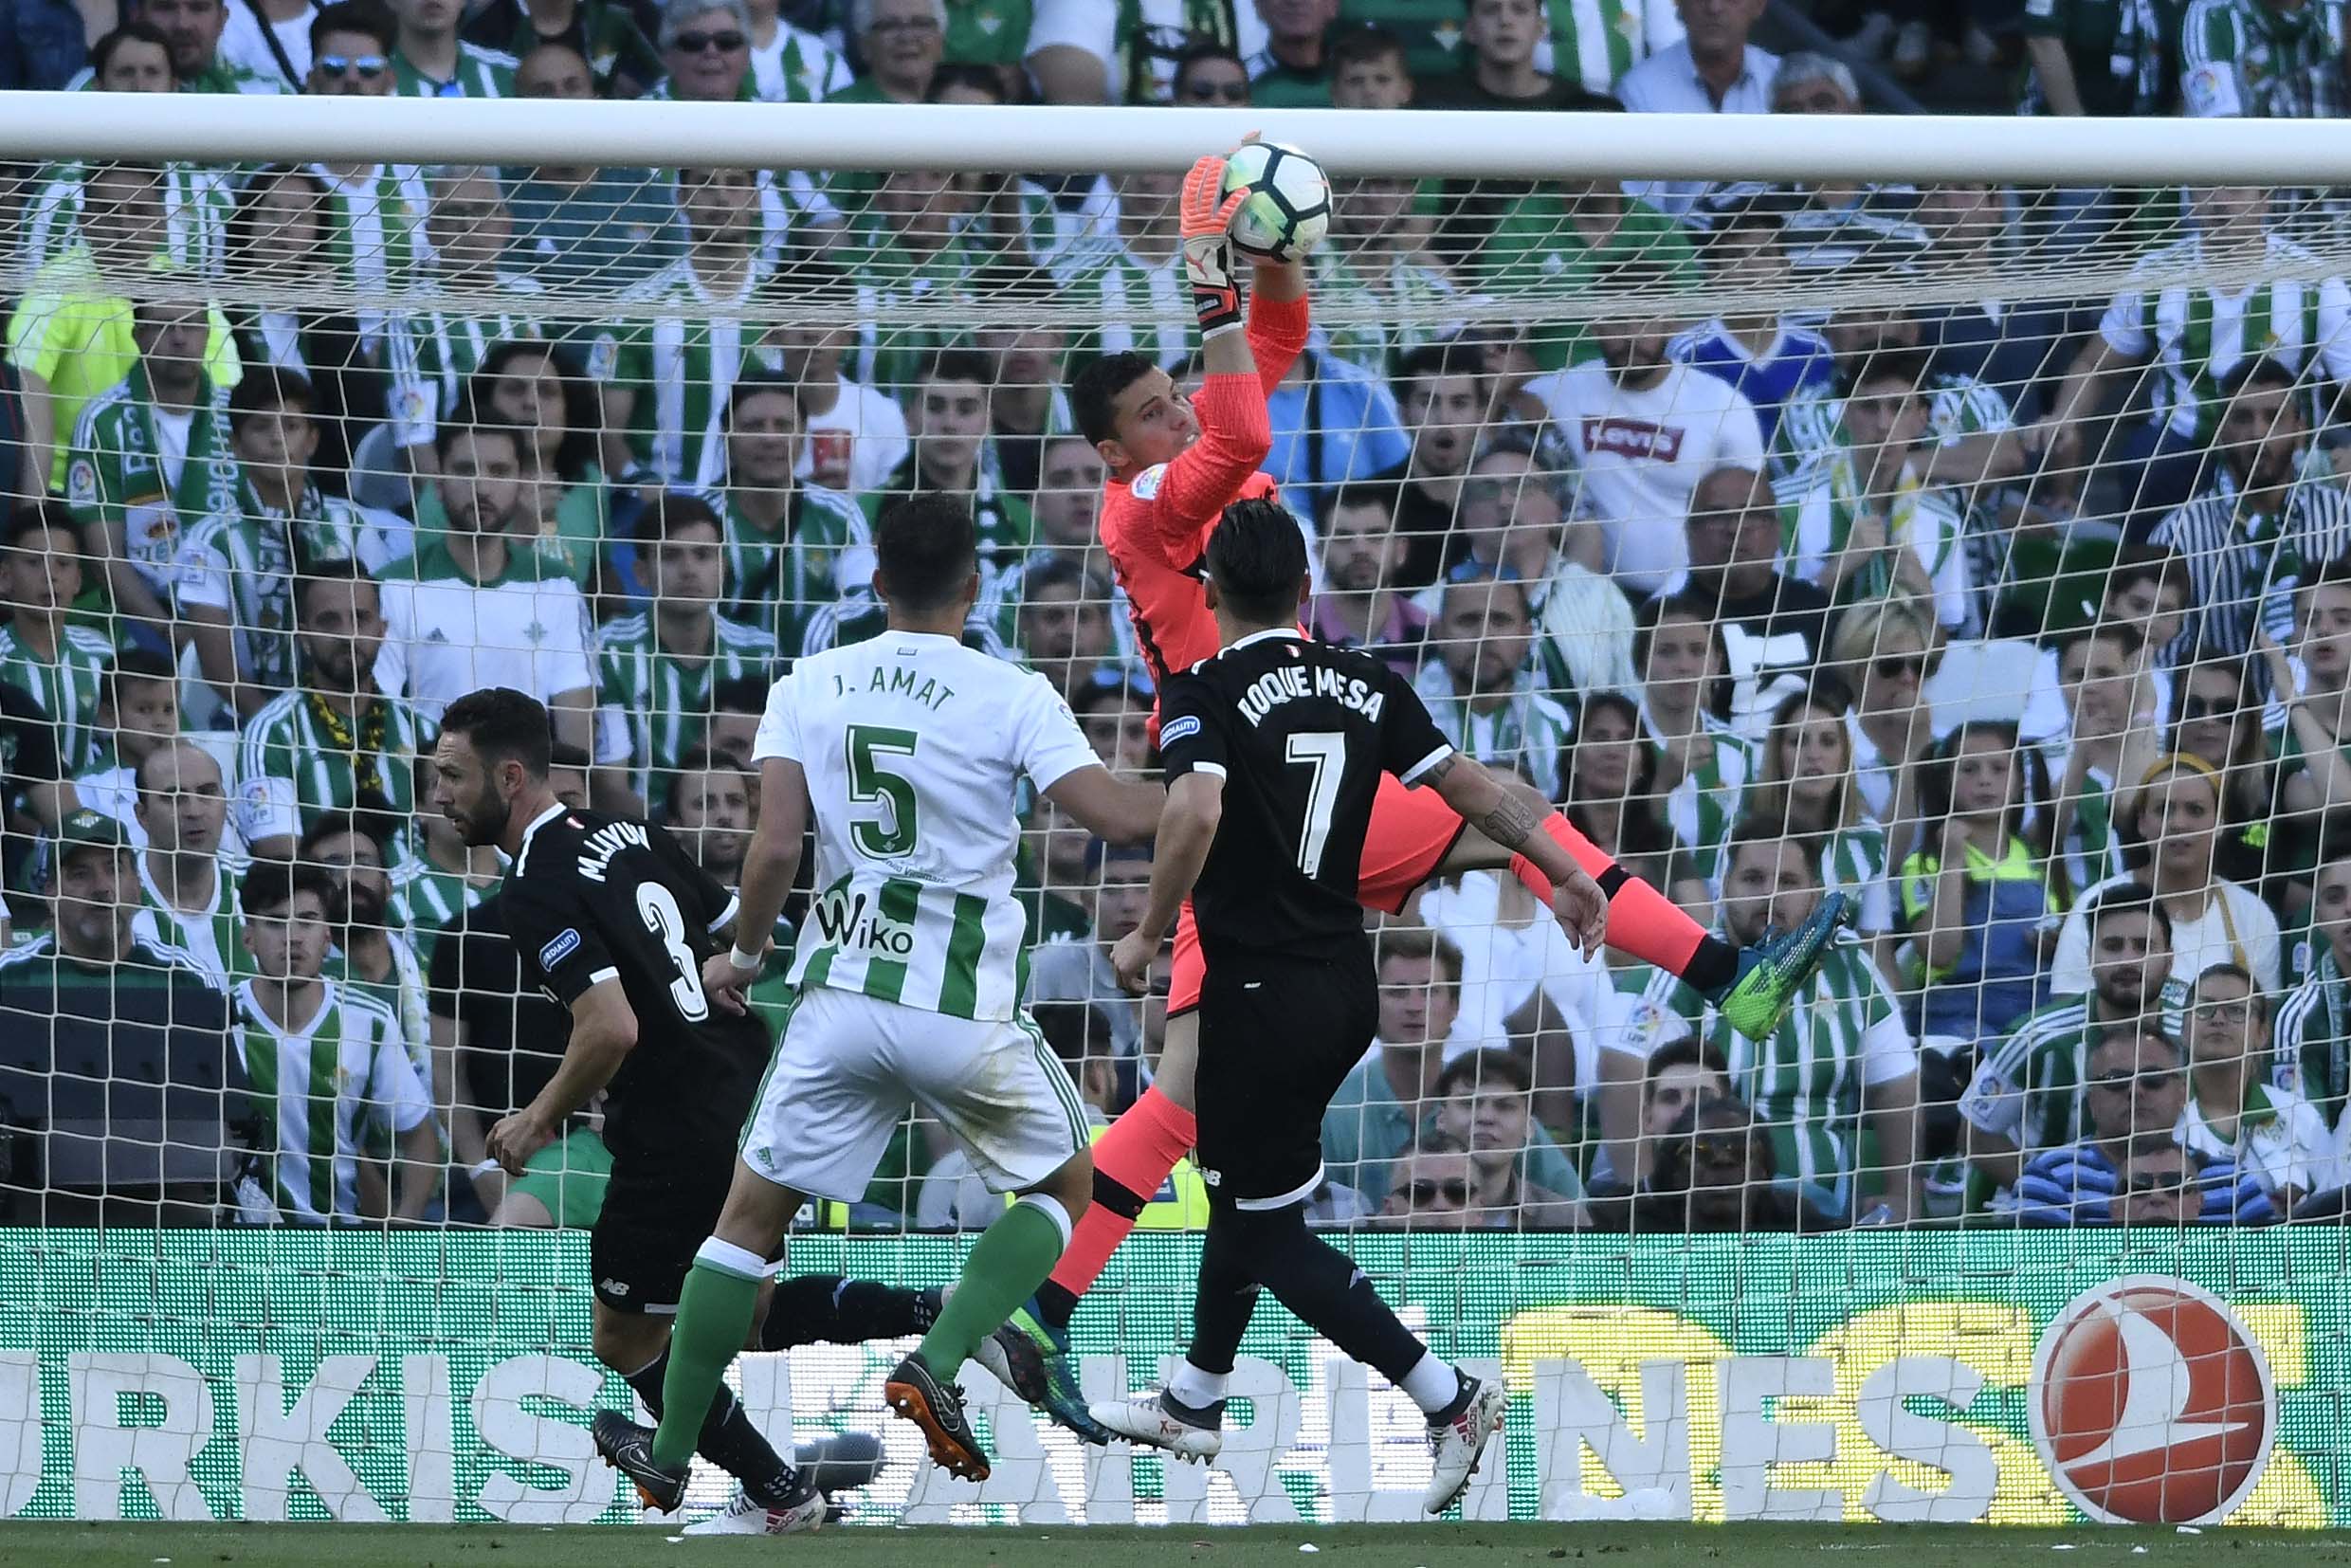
(134, 664)
(272, 886)
(378, 826)
(1690, 1050)
(759, 386)
(1385, 493)
(1094, 395)
(41, 517)
(1257, 559)
(574, 757)
(1486, 1067)
(925, 549)
(2121, 632)
(2127, 898)
(504, 725)
(697, 760)
(2158, 564)
(957, 365)
(1433, 361)
(132, 31)
(1199, 48)
(671, 510)
(269, 389)
(1352, 45)
(472, 419)
(743, 693)
(340, 569)
(2265, 372)
(1749, 831)
(965, 73)
(360, 16)
(1911, 368)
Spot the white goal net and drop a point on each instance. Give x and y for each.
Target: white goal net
(1973, 549)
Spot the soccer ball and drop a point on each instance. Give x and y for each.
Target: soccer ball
(1290, 201)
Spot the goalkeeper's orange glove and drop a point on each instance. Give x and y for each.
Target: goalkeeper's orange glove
(1205, 216)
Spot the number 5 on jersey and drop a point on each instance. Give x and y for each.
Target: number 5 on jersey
(895, 826)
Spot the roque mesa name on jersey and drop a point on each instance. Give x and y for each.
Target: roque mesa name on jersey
(1291, 682)
(854, 918)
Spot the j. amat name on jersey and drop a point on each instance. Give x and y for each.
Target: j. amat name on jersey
(1291, 682)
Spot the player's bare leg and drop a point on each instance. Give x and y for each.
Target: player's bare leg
(722, 1298)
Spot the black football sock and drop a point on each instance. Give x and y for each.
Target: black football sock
(1324, 1290)
(1227, 1296)
(727, 1439)
(831, 1308)
(1714, 966)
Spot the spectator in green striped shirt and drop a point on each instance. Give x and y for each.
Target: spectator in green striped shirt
(947, 416)
(430, 60)
(191, 899)
(59, 663)
(1808, 789)
(602, 34)
(901, 43)
(711, 807)
(1293, 71)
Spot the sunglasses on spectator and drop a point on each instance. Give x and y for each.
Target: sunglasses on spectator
(904, 23)
(367, 67)
(1427, 1192)
(2123, 1081)
(695, 43)
(1891, 666)
(1720, 1151)
(2157, 1181)
(1210, 92)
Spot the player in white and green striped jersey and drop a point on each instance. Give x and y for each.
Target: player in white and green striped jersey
(325, 1061)
(2026, 1093)
(1132, 281)
(375, 242)
(657, 670)
(2295, 313)
(60, 665)
(678, 344)
(335, 742)
(197, 201)
(909, 753)
(1840, 1070)
(792, 546)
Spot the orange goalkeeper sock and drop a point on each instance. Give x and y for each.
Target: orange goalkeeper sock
(1642, 921)
(1131, 1158)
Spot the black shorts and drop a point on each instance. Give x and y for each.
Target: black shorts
(670, 1179)
(1278, 1035)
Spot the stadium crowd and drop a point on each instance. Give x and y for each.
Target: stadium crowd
(2027, 626)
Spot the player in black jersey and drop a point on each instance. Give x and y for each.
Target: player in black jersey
(1273, 751)
(613, 919)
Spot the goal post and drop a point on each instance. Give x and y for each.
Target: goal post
(1946, 513)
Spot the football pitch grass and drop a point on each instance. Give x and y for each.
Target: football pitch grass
(1441, 1546)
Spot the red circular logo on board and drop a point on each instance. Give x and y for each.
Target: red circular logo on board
(2151, 1403)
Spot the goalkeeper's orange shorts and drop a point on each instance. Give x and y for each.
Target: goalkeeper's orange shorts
(1411, 833)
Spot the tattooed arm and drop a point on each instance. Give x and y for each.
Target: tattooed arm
(1505, 813)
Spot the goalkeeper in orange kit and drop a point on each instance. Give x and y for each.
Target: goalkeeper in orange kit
(1175, 461)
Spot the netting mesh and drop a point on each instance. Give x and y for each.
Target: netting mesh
(1971, 552)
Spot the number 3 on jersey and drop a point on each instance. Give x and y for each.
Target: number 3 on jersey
(892, 830)
(659, 909)
(1325, 753)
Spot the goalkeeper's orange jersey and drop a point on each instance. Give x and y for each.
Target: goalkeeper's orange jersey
(1156, 524)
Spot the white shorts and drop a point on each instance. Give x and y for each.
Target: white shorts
(846, 1065)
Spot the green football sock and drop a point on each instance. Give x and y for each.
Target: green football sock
(1007, 1265)
(714, 1314)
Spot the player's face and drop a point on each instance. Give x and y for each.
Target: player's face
(763, 443)
(1125, 894)
(1380, 83)
(362, 887)
(1768, 884)
(687, 567)
(480, 481)
(91, 916)
(1068, 495)
(145, 713)
(43, 571)
(1675, 1090)
(2136, 1086)
(466, 793)
(1444, 412)
(288, 943)
(2330, 907)
(181, 802)
(468, 222)
(1416, 1004)
(1153, 423)
(136, 66)
(2129, 957)
(1359, 549)
(950, 419)
(343, 630)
